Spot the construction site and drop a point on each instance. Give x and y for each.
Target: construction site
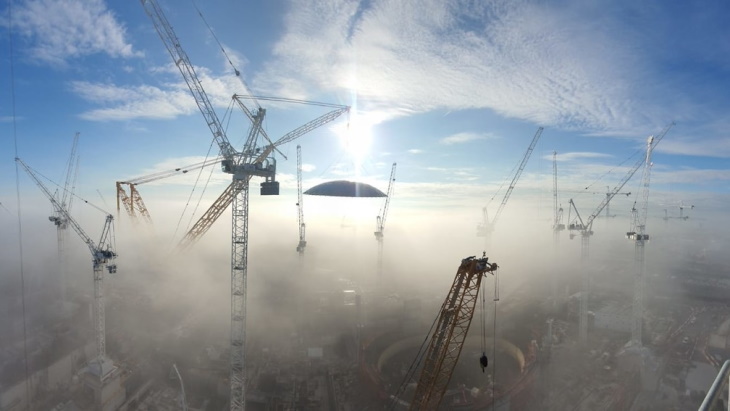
(586, 310)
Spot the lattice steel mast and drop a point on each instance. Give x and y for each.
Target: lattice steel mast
(300, 204)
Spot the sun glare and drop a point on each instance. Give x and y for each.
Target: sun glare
(356, 138)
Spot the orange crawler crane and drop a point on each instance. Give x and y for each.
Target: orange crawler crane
(450, 332)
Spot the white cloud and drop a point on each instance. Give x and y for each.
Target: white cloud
(696, 177)
(522, 60)
(465, 137)
(718, 147)
(9, 119)
(415, 151)
(60, 30)
(306, 168)
(168, 101)
(576, 156)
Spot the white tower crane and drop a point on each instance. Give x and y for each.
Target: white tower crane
(300, 204)
(681, 211)
(66, 200)
(102, 256)
(608, 204)
(251, 161)
(380, 221)
(486, 227)
(639, 235)
(586, 230)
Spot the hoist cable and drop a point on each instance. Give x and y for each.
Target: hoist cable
(17, 193)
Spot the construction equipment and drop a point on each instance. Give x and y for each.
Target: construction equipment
(133, 203)
(557, 211)
(681, 211)
(268, 187)
(380, 221)
(300, 204)
(586, 230)
(58, 219)
(639, 235)
(608, 204)
(486, 227)
(253, 160)
(451, 329)
(102, 256)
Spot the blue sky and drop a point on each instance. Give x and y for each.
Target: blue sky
(452, 91)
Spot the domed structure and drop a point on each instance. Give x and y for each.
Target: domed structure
(344, 188)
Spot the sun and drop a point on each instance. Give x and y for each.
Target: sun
(357, 138)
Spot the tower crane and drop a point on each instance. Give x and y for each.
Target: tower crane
(380, 221)
(639, 235)
(451, 329)
(133, 203)
(300, 204)
(681, 211)
(102, 256)
(585, 228)
(608, 204)
(486, 227)
(251, 161)
(66, 200)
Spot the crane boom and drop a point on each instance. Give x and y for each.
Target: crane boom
(380, 220)
(627, 177)
(300, 203)
(133, 202)
(71, 167)
(58, 208)
(172, 43)
(486, 227)
(448, 338)
(517, 175)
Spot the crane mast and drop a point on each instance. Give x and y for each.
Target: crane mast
(102, 254)
(380, 221)
(557, 211)
(250, 162)
(486, 226)
(639, 235)
(448, 338)
(300, 204)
